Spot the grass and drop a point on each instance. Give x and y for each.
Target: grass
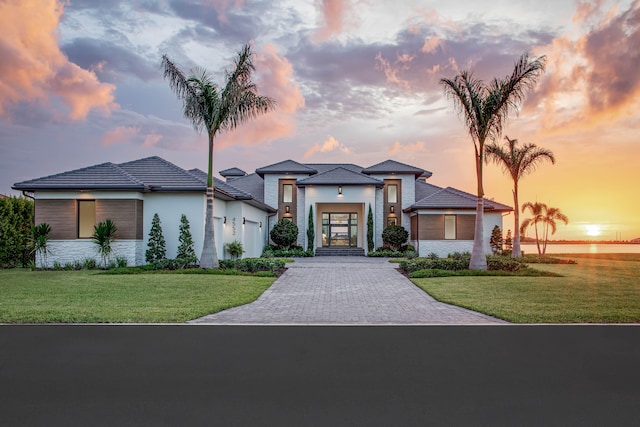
(600, 288)
(94, 297)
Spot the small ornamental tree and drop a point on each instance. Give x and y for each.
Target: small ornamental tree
(311, 234)
(370, 244)
(395, 236)
(157, 246)
(284, 233)
(508, 241)
(185, 249)
(496, 240)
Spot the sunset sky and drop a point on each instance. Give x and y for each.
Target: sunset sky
(355, 81)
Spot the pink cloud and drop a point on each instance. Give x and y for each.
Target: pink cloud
(392, 71)
(224, 6)
(274, 78)
(120, 134)
(330, 144)
(431, 44)
(332, 22)
(396, 147)
(33, 68)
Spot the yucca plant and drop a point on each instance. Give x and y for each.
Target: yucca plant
(103, 236)
(39, 242)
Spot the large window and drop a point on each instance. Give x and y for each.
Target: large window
(86, 218)
(450, 227)
(392, 193)
(287, 193)
(340, 229)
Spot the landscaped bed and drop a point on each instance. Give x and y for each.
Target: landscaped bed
(92, 296)
(600, 288)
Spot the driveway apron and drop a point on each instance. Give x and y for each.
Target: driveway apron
(345, 291)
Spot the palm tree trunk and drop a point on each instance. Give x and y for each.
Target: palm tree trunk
(209, 257)
(478, 259)
(515, 250)
(537, 239)
(546, 236)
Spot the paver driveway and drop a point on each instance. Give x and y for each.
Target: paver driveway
(346, 291)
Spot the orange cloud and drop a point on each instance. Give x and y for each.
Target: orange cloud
(431, 44)
(332, 22)
(592, 78)
(274, 78)
(391, 71)
(397, 147)
(330, 144)
(33, 67)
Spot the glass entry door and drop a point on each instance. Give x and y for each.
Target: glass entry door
(340, 229)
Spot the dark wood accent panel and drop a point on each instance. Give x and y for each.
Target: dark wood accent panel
(465, 227)
(414, 228)
(139, 219)
(124, 214)
(431, 227)
(282, 207)
(61, 215)
(397, 207)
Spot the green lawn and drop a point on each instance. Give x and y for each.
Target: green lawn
(600, 288)
(90, 296)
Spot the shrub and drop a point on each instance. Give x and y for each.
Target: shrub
(395, 236)
(388, 253)
(103, 236)
(234, 249)
(253, 265)
(433, 255)
(185, 249)
(157, 246)
(496, 240)
(16, 220)
(370, 243)
(311, 234)
(461, 263)
(284, 233)
(89, 264)
(270, 252)
(40, 240)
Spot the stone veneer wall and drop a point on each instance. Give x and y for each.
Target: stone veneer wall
(442, 247)
(69, 251)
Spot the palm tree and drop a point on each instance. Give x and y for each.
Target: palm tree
(551, 216)
(518, 162)
(485, 109)
(545, 215)
(537, 211)
(216, 109)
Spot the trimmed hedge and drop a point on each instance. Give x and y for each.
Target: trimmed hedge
(461, 263)
(253, 265)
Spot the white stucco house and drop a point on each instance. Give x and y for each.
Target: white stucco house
(247, 206)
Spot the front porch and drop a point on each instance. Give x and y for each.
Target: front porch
(339, 251)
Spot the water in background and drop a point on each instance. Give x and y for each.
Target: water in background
(584, 248)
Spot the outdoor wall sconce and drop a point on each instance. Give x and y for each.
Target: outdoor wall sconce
(287, 209)
(244, 220)
(260, 224)
(340, 189)
(392, 209)
(224, 220)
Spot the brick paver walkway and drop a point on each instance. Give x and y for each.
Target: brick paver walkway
(345, 291)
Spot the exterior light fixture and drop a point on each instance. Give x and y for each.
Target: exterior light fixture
(392, 209)
(224, 220)
(287, 209)
(244, 220)
(340, 189)
(260, 224)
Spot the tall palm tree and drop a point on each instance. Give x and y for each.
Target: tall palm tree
(545, 215)
(214, 108)
(485, 109)
(518, 161)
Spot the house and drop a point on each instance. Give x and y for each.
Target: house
(247, 206)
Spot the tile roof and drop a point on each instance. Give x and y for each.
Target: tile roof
(220, 185)
(161, 175)
(339, 176)
(424, 189)
(451, 198)
(232, 172)
(103, 176)
(285, 166)
(391, 166)
(323, 167)
(251, 184)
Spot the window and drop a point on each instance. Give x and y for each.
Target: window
(450, 227)
(86, 218)
(287, 193)
(392, 221)
(392, 193)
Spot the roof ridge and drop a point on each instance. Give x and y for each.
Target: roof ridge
(133, 178)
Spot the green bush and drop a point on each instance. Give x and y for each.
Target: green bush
(395, 236)
(544, 259)
(294, 251)
(157, 246)
(16, 220)
(253, 265)
(234, 249)
(494, 263)
(173, 264)
(284, 233)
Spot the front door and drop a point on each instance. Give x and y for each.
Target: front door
(340, 229)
